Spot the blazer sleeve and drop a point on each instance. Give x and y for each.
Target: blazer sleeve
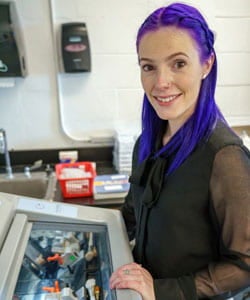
(230, 194)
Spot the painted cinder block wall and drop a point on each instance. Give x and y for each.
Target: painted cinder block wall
(51, 109)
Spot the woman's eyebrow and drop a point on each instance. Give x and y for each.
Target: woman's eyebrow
(171, 56)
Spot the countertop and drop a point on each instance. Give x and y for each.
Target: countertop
(102, 156)
(101, 168)
(107, 203)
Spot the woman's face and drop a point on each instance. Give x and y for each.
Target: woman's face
(171, 73)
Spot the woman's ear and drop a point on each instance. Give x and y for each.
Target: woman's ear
(207, 66)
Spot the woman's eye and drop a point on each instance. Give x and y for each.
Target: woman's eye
(147, 68)
(179, 64)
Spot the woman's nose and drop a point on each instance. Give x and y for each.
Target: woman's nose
(163, 79)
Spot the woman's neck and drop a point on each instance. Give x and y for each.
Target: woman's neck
(171, 129)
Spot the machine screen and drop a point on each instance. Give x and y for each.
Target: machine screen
(65, 261)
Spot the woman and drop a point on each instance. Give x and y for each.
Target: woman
(188, 207)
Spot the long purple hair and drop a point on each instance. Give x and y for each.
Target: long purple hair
(200, 125)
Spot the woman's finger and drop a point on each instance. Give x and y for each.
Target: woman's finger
(133, 276)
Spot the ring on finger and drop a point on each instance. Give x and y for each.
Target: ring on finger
(126, 272)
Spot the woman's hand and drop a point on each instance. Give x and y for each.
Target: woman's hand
(133, 276)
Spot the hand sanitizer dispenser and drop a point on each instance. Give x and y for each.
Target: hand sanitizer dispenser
(75, 48)
(12, 62)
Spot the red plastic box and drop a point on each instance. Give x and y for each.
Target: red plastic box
(81, 182)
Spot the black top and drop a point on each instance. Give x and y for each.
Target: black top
(193, 229)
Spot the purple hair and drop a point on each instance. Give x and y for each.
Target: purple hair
(200, 125)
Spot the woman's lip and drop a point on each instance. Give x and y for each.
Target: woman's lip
(166, 99)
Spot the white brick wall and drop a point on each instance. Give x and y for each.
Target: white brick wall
(232, 8)
(232, 23)
(94, 104)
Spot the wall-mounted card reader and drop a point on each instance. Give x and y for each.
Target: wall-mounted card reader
(12, 62)
(75, 48)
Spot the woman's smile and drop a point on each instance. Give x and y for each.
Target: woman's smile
(163, 100)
